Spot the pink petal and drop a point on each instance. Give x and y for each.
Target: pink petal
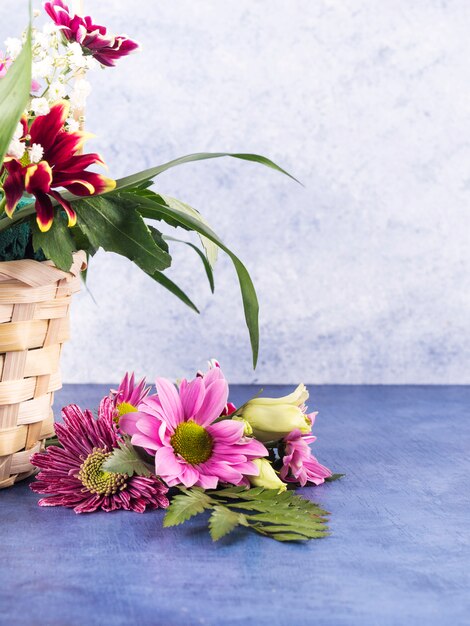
(214, 402)
(170, 401)
(166, 463)
(192, 397)
(227, 431)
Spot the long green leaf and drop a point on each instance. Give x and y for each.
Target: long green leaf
(15, 88)
(152, 209)
(173, 288)
(202, 256)
(135, 179)
(112, 223)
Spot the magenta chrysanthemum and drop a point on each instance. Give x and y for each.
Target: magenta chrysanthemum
(92, 37)
(298, 463)
(190, 447)
(129, 395)
(73, 476)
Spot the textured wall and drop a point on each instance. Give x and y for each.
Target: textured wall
(364, 274)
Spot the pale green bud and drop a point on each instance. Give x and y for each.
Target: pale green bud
(267, 478)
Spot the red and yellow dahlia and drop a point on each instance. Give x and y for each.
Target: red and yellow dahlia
(51, 161)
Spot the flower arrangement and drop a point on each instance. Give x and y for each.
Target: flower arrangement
(187, 449)
(51, 198)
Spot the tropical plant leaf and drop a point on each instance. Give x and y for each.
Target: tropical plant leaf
(133, 181)
(111, 222)
(281, 516)
(57, 244)
(157, 209)
(186, 505)
(202, 256)
(15, 88)
(126, 460)
(173, 288)
(222, 521)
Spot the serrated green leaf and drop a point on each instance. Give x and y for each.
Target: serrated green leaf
(57, 244)
(15, 88)
(126, 460)
(334, 477)
(186, 505)
(222, 521)
(112, 223)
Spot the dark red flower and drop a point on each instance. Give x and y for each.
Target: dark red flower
(92, 37)
(72, 475)
(60, 165)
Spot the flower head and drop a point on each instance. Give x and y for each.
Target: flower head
(191, 448)
(274, 418)
(60, 165)
(94, 39)
(267, 477)
(5, 62)
(129, 395)
(73, 476)
(298, 463)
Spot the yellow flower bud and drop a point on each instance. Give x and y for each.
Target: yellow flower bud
(247, 429)
(274, 418)
(267, 478)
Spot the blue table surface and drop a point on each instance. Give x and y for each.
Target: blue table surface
(399, 552)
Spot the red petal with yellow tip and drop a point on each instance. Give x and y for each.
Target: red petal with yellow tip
(38, 178)
(45, 128)
(13, 186)
(66, 206)
(44, 211)
(86, 184)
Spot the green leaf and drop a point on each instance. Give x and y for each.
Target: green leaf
(57, 244)
(280, 516)
(15, 88)
(334, 477)
(222, 521)
(126, 460)
(212, 250)
(153, 209)
(202, 256)
(111, 222)
(173, 288)
(135, 180)
(186, 505)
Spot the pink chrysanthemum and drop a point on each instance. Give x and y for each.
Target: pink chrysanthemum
(190, 447)
(229, 408)
(298, 463)
(72, 475)
(94, 38)
(129, 395)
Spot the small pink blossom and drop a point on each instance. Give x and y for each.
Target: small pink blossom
(180, 427)
(93, 38)
(129, 394)
(5, 63)
(298, 463)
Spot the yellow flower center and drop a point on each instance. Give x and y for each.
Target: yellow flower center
(25, 160)
(125, 408)
(97, 480)
(192, 442)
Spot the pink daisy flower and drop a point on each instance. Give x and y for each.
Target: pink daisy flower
(298, 463)
(129, 395)
(93, 38)
(191, 448)
(72, 475)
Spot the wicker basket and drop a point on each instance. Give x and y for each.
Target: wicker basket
(34, 323)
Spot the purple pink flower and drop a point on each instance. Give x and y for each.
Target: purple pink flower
(298, 463)
(180, 427)
(93, 38)
(5, 63)
(73, 476)
(129, 395)
(51, 160)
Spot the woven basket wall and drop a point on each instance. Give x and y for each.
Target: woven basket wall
(34, 323)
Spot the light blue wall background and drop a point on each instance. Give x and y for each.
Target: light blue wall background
(364, 275)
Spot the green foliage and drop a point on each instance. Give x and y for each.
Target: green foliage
(281, 516)
(202, 256)
(57, 244)
(334, 477)
(15, 88)
(126, 460)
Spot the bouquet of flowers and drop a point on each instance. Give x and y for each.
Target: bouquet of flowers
(51, 203)
(188, 449)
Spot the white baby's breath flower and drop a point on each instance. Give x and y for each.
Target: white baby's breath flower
(13, 46)
(19, 131)
(72, 125)
(81, 91)
(16, 149)
(40, 106)
(36, 152)
(50, 29)
(43, 68)
(41, 39)
(56, 91)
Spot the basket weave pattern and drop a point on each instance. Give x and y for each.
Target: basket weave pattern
(34, 323)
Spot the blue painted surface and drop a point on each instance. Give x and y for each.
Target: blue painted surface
(399, 552)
